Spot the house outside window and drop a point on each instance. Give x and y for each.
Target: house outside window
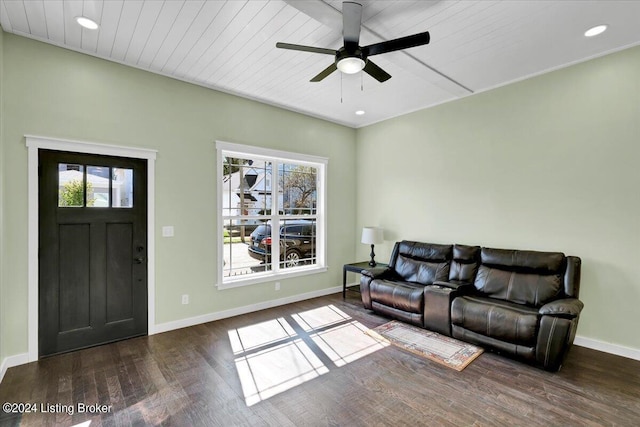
(271, 210)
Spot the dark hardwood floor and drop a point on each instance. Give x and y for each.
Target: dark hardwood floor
(309, 364)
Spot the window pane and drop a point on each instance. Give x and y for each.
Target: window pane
(297, 243)
(249, 254)
(70, 185)
(97, 186)
(246, 187)
(298, 185)
(122, 187)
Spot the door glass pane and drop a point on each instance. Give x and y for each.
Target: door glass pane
(97, 186)
(122, 187)
(70, 185)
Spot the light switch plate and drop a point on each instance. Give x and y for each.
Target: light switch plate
(167, 231)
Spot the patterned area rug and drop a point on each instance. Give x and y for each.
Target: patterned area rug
(439, 348)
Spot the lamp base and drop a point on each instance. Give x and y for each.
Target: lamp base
(372, 263)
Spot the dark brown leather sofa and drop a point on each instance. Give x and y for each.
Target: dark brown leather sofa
(521, 303)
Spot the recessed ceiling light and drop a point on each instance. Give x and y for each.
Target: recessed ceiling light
(598, 29)
(360, 113)
(87, 23)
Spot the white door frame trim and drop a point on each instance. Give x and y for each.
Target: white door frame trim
(35, 143)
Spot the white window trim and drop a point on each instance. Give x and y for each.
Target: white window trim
(321, 233)
(34, 144)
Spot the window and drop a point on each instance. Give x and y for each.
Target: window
(271, 214)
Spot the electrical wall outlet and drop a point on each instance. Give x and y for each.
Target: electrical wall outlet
(277, 286)
(185, 299)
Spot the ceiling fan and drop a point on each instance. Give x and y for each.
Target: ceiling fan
(352, 57)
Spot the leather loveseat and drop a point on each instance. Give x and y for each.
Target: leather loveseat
(521, 303)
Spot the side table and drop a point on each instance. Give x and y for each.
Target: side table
(355, 267)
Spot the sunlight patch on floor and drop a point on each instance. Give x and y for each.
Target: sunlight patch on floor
(260, 335)
(320, 317)
(279, 354)
(268, 372)
(346, 343)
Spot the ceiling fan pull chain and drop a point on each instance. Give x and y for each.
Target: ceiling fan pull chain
(340, 88)
(361, 82)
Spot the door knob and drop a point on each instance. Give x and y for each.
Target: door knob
(139, 260)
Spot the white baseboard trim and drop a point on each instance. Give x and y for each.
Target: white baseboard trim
(618, 350)
(11, 361)
(210, 317)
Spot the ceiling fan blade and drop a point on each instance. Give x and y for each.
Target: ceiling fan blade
(376, 72)
(305, 48)
(330, 69)
(351, 22)
(397, 44)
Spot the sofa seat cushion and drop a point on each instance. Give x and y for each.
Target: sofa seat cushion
(502, 320)
(403, 296)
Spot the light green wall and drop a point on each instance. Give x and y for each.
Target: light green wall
(550, 163)
(58, 93)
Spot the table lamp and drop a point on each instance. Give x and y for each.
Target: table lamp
(371, 236)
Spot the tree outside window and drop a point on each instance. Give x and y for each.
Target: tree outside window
(72, 194)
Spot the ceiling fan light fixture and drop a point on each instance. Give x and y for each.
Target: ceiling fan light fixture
(594, 31)
(87, 23)
(350, 65)
(360, 113)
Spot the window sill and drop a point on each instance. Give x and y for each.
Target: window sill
(271, 277)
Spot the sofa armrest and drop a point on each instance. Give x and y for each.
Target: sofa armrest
(568, 308)
(455, 285)
(367, 276)
(377, 272)
(558, 325)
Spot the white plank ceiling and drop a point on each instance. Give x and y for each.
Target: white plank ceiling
(476, 45)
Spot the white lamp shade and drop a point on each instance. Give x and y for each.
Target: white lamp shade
(372, 235)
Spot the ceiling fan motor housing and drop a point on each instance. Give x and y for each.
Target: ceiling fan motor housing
(350, 61)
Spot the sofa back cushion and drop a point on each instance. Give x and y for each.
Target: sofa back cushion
(422, 263)
(530, 261)
(464, 266)
(523, 277)
(423, 272)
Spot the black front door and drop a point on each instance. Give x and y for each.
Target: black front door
(93, 248)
